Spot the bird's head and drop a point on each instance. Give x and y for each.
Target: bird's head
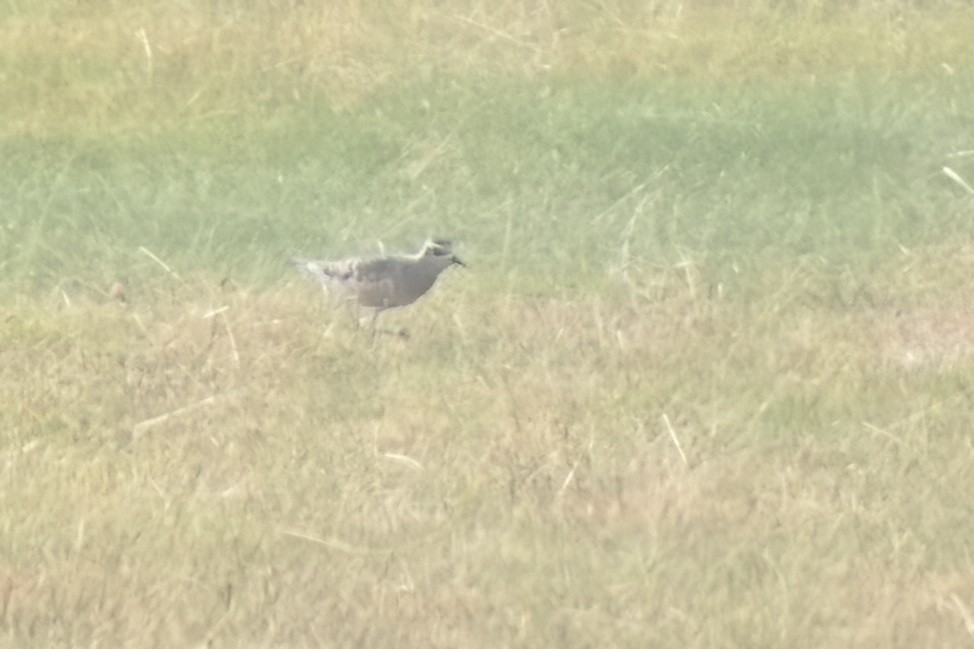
(441, 248)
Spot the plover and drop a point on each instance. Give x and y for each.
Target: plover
(386, 282)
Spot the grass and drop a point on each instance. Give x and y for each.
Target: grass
(706, 382)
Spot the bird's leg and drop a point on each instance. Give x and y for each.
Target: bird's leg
(400, 333)
(375, 316)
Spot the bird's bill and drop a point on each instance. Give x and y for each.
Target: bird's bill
(458, 261)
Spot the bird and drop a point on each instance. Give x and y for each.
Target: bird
(383, 282)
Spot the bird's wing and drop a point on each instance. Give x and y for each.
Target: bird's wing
(374, 271)
(327, 271)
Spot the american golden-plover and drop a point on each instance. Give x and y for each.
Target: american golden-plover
(386, 282)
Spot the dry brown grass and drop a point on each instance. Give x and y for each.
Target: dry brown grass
(112, 67)
(504, 477)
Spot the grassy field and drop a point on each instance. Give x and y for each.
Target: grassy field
(708, 380)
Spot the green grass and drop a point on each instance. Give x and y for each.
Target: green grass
(706, 382)
(558, 169)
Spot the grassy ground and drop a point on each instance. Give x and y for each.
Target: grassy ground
(707, 382)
